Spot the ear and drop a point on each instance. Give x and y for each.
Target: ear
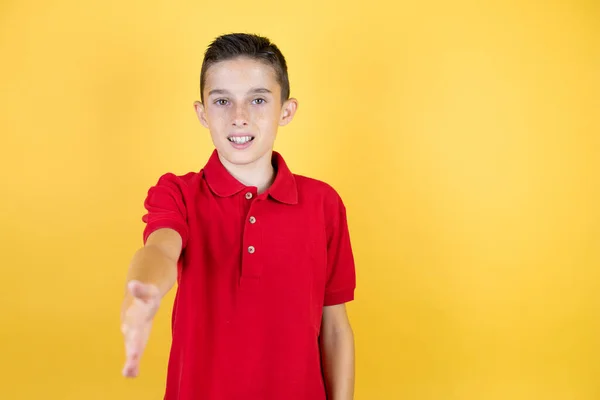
(288, 111)
(201, 113)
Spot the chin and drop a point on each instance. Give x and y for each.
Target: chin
(241, 157)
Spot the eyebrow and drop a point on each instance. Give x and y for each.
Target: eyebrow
(251, 91)
(260, 90)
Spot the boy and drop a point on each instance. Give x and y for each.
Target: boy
(261, 256)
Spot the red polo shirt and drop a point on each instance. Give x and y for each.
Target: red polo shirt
(253, 277)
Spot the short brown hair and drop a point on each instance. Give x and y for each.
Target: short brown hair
(230, 46)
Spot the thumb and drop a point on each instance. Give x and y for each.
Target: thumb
(141, 290)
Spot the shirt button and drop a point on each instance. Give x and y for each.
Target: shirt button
(252, 220)
(248, 195)
(251, 249)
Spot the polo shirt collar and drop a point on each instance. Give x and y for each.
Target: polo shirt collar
(223, 184)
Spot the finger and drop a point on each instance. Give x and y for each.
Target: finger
(133, 351)
(136, 338)
(131, 369)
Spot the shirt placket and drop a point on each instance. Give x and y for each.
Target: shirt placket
(252, 249)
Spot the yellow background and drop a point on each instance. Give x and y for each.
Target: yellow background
(463, 137)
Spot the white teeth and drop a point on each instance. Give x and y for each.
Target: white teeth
(240, 139)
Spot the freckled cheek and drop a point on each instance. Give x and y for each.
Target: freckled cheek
(265, 115)
(218, 116)
(258, 115)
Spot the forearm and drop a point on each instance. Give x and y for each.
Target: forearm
(151, 265)
(337, 349)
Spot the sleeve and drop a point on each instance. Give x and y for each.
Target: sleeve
(166, 208)
(341, 274)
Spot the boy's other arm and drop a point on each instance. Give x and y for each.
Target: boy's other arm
(337, 348)
(151, 274)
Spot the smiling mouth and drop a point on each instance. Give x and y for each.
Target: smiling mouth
(240, 139)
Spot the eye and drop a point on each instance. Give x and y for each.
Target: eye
(258, 101)
(221, 102)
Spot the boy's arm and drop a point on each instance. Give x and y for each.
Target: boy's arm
(337, 338)
(337, 348)
(156, 262)
(152, 273)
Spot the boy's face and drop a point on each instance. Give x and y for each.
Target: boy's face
(242, 109)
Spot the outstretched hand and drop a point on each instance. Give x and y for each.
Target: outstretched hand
(144, 300)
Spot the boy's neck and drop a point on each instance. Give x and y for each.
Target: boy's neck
(260, 173)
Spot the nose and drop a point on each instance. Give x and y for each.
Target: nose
(240, 117)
